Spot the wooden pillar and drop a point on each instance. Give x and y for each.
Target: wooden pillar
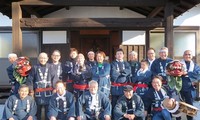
(147, 41)
(16, 29)
(169, 17)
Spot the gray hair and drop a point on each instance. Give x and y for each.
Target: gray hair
(133, 53)
(12, 55)
(93, 82)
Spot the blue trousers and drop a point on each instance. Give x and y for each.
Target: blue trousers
(187, 97)
(163, 115)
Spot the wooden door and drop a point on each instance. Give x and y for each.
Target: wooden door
(97, 43)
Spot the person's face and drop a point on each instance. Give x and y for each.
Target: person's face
(55, 57)
(93, 88)
(12, 59)
(23, 92)
(73, 54)
(128, 94)
(81, 59)
(60, 88)
(119, 55)
(163, 55)
(91, 56)
(157, 84)
(43, 58)
(187, 56)
(99, 58)
(151, 55)
(144, 65)
(132, 57)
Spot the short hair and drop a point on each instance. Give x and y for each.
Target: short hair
(60, 81)
(90, 52)
(73, 50)
(151, 49)
(133, 53)
(119, 50)
(43, 54)
(101, 53)
(158, 77)
(12, 55)
(145, 61)
(58, 51)
(163, 49)
(93, 82)
(23, 86)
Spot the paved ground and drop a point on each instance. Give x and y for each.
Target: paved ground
(197, 104)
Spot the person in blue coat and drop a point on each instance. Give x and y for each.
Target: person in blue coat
(143, 78)
(93, 104)
(101, 73)
(133, 61)
(91, 59)
(20, 106)
(192, 74)
(68, 67)
(57, 65)
(80, 75)
(158, 66)
(154, 98)
(61, 104)
(12, 57)
(120, 76)
(130, 106)
(42, 83)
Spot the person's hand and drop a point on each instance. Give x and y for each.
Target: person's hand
(54, 91)
(131, 116)
(107, 117)
(11, 118)
(71, 118)
(125, 115)
(53, 118)
(30, 118)
(78, 118)
(145, 113)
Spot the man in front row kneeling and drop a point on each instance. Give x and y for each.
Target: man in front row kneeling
(93, 104)
(20, 106)
(130, 106)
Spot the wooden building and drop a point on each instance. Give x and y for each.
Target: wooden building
(93, 33)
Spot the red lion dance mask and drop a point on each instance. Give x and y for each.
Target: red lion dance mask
(175, 68)
(22, 67)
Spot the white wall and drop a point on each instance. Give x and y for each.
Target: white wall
(133, 37)
(189, 18)
(95, 12)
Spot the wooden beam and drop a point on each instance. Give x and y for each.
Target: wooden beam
(91, 22)
(155, 11)
(95, 2)
(16, 30)
(169, 9)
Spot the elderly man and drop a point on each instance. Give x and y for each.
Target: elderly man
(12, 57)
(20, 106)
(130, 106)
(192, 74)
(43, 78)
(159, 65)
(93, 105)
(61, 105)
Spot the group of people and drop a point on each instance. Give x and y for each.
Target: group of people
(95, 89)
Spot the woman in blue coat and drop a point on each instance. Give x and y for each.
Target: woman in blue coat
(101, 73)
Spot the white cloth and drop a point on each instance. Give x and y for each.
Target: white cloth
(94, 102)
(191, 65)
